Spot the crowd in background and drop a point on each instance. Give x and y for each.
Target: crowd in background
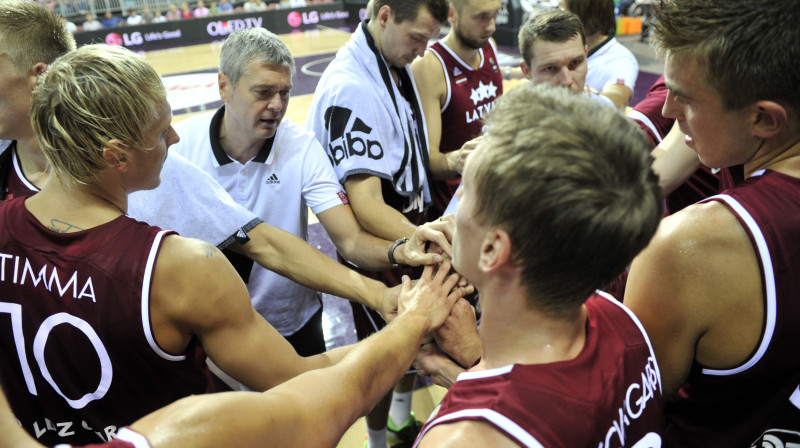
(79, 15)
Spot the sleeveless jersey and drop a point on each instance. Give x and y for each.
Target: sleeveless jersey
(471, 93)
(16, 184)
(77, 354)
(608, 396)
(733, 407)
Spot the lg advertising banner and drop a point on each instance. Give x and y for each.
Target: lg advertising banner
(154, 36)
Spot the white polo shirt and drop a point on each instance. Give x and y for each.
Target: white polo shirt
(612, 63)
(290, 174)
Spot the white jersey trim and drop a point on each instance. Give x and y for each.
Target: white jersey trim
(446, 80)
(478, 374)
(126, 435)
(795, 398)
(636, 115)
(20, 174)
(461, 61)
(635, 320)
(146, 284)
(769, 285)
(130, 436)
(495, 418)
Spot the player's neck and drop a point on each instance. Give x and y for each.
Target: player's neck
(513, 333)
(467, 54)
(235, 142)
(595, 40)
(783, 157)
(33, 161)
(74, 207)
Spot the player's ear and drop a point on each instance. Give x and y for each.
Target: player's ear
(34, 73)
(224, 87)
(495, 250)
(769, 119)
(116, 155)
(384, 14)
(526, 71)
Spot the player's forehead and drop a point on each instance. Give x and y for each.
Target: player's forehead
(550, 52)
(481, 6)
(424, 24)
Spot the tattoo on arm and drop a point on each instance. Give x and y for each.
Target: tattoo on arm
(209, 249)
(59, 226)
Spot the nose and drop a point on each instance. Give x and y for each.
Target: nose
(420, 48)
(173, 137)
(276, 102)
(564, 77)
(492, 25)
(670, 109)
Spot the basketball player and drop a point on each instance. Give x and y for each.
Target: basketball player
(288, 415)
(717, 287)
(612, 68)
(366, 113)
(553, 49)
(561, 364)
(458, 79)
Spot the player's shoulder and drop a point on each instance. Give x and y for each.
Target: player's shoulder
(428, 71)
(189, 256)
(465, 433)
(698, 236)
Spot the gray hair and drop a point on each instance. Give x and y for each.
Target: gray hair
(254, 44)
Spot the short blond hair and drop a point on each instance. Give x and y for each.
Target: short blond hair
(30, 34)
(89, 97)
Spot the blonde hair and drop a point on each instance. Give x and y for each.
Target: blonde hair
(30, 34)
(89, 97)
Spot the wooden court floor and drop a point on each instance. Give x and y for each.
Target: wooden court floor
(309, 43)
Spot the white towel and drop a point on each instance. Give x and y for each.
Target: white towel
(192, 203)
(361, 119)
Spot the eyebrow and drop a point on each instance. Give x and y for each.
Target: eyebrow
(675, 89)
(271, 86)
(568, 60)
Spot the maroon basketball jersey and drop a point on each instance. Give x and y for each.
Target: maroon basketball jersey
(608, 396)
(78, 358)
(17, 184)
(647, 114)
(732, 407)
(471, 93)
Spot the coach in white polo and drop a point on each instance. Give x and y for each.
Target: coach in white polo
(278, 170)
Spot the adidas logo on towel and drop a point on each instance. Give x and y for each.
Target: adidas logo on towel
(273, 179)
